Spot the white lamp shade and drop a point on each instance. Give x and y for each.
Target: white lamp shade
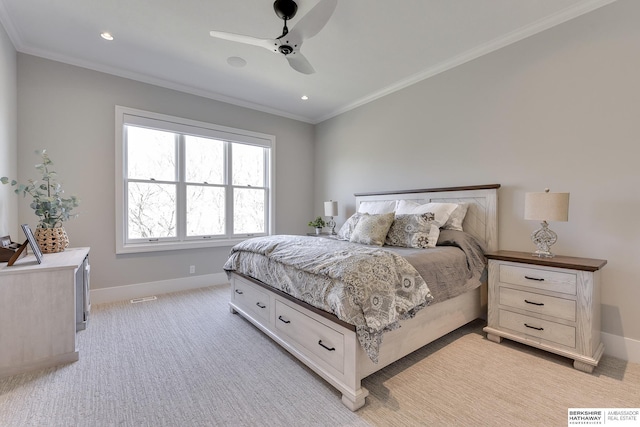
(331, 208)
(546, 206)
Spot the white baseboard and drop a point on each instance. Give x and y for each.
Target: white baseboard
(620, 347)
(139, 290)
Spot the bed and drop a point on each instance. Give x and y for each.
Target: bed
(325, 337)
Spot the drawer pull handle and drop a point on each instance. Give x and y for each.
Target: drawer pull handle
(537, 279)
(533, 327)
(239, 292)
(534, 303)
(283, 320)
(260, 305)
(324, 346)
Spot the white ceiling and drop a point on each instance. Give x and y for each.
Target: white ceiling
(368, 48)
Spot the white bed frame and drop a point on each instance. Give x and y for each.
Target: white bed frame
(329, 346)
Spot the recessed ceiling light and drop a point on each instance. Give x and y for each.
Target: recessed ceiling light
(106, 36)
(304, 97)
(236, 61)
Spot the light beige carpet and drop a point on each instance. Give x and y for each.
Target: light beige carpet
(185, 360)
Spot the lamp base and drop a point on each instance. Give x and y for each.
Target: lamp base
(542, 254)
(331, 224)
(543, 238)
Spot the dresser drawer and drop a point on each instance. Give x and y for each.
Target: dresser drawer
(536, 303)
(531, 326)
(318, 339)
(251, 298)
(539, 278)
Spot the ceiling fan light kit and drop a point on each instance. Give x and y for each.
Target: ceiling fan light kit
(290, 42)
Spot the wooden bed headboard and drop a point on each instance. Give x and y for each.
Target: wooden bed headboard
(482, 216)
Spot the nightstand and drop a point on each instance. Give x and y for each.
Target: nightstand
(549, 303)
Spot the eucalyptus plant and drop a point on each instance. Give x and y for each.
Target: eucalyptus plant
(49, 204)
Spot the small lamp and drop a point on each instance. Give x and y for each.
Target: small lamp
(545, 207)
(331, 210)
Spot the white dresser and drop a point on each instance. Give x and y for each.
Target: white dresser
(549, 303)
(41, 308)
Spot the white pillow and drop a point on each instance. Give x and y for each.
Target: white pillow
(377, 207)
(441, 211)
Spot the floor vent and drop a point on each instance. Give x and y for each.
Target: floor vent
(143, 299)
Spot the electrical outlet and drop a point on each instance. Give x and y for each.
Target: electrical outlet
(192, 269)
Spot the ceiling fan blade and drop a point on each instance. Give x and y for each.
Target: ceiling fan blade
(299, 63)
(265, 43)
(311, 23)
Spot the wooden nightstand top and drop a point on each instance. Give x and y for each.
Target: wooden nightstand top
(325, 235)
(559, 261)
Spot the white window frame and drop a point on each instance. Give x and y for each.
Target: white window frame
(126, 115)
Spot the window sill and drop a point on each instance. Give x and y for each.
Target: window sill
(173, 246)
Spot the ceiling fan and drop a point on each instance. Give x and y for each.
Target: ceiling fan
(290, 42)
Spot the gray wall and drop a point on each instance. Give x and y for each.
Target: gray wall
(8, 136)
(557, 110)
(70, 111)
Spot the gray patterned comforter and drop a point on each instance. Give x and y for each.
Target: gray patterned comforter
(367, 286)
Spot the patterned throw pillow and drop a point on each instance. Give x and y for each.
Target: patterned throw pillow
(413, 231)
(442, 211)
(372, 229)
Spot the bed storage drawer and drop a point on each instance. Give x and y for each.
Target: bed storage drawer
(539, 278)
(251, 298)
(318, 339)
(534, 327)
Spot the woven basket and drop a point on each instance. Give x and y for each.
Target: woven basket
(52, 240)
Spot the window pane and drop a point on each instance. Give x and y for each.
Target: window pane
(204, 160)
(248, 165)
(205, 211)
(152, 210)
(248, 210)
(151, 154)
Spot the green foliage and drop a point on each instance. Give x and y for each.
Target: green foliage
(317, 223)
(49, 204)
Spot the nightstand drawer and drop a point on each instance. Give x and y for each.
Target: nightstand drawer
(531, 326)
(539, 278)
(537, 303)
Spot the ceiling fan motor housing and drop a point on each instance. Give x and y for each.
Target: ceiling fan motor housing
(285, 9)
(285, 49)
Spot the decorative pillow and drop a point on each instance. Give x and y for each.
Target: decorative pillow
(457, 217)
(413, 231)
(377, 207)
(347, 228)
(372, 229)
(441, 211)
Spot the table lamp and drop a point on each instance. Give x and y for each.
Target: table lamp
(545, 207)
(331, 210)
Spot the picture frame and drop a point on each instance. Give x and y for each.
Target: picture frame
(32, 242)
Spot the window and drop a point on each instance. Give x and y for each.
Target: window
(187, 184)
